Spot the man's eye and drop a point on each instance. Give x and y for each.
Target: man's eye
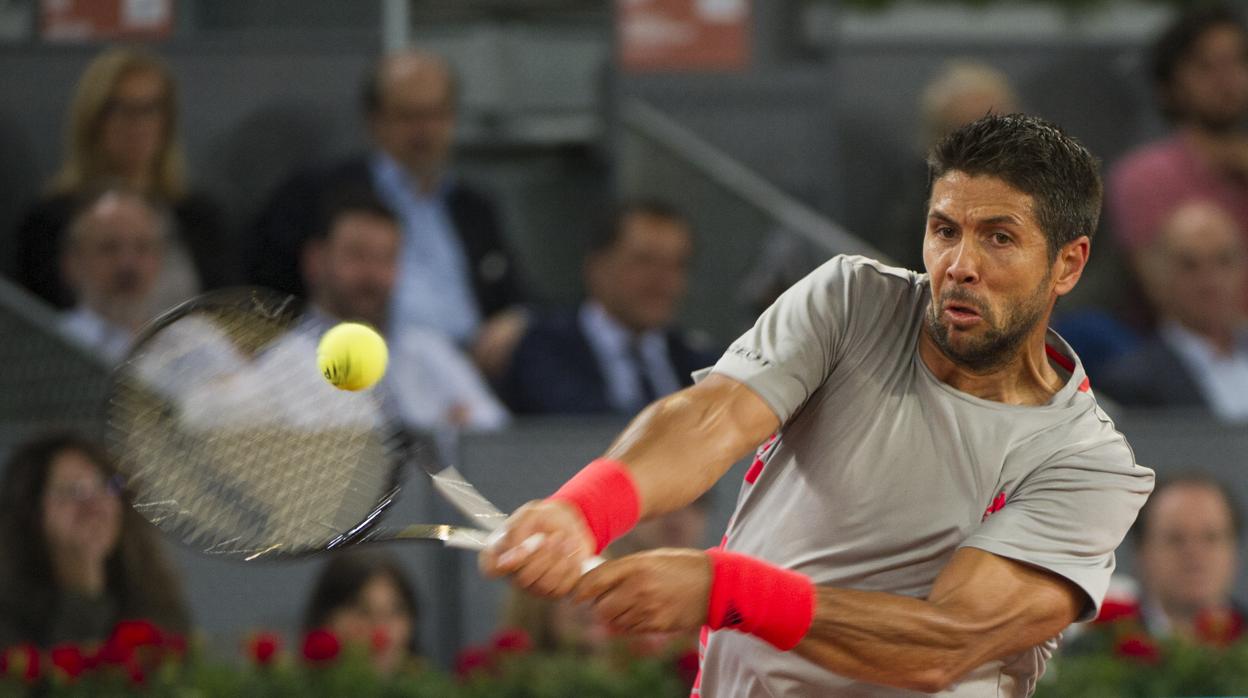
(944, 231)
(1001, 238)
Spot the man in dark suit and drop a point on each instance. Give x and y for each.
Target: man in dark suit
(617, 351)
(1194, 274)
(1187, 540)
(455, 271)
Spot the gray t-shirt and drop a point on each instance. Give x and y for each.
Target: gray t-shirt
(880, 472)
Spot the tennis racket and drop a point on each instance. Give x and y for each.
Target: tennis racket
(230, 441)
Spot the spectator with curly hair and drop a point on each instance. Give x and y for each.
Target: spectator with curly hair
(74, 558)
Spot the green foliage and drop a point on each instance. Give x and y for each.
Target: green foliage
(514, 674)
(1068, 5)
(1117, 660)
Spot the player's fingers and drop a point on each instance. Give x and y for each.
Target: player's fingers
(545, 558)
(609, 606)
(562, 577)
(599, 580)
(507, 550)
(637, 618)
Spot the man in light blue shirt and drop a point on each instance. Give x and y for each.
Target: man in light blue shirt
(456, 274)
(351, 265)
(113, 260)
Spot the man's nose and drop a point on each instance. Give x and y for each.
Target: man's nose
(964, 267)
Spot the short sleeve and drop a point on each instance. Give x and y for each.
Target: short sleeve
(1070, 515)
(796, 342)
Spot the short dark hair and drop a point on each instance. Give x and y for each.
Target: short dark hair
(371, 91)
(1197, 478)
(344, 577)
(1035, 157)
(1176, 43)
(334, 205)
(610, 229)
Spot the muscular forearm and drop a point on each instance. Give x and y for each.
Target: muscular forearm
(901, 641)
(678, 447)
(887, 639)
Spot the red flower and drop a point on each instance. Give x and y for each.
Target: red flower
(321, 646)
(137, 633)
(1114, 610)
(512, 640)
(21, 661)
(263, 648)
(1219, 628)
(113, 652)
(1139, 648)
(69, 659)
(473, 659)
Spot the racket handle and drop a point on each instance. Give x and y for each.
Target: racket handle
(534, 542)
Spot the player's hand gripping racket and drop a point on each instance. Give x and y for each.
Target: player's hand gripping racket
(230, 441)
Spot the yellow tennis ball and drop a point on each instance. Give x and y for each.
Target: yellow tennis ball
(352, 356)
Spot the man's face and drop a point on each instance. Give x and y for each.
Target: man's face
(1196, 269)
(115, 257)
(1188, 555)
(415, 121)
(642, 278)
(1210, 86)
(990, 271)
(357, 268)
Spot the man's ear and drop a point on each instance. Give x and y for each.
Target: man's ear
(1071, 260)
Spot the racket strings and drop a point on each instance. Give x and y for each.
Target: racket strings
(231, 441)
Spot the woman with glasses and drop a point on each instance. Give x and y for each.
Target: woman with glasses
(74, 559)
(122, 131)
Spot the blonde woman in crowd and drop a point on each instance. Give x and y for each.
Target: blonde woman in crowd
(122, 130)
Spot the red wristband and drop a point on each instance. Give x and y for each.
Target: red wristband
(605, 494)
(756, 597)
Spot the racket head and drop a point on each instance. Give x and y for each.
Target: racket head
(230, 441)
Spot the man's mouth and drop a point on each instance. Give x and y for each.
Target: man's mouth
(961, 314)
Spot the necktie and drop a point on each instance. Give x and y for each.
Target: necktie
(648, 393)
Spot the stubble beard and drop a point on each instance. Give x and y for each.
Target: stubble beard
(1000, 343)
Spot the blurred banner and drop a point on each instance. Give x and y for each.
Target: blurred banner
(91, 20)
(683, 35)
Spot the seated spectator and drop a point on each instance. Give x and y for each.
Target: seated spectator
(455, 272)
(618, 351)
(350, 266)
(963, 91)
(113, 255)
(122, 131)
(1194, 273)
(1200, 75)
(365, 599)
(74, 557)
(1187, 541)
(554, 625)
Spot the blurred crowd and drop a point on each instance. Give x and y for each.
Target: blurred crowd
(394, 237)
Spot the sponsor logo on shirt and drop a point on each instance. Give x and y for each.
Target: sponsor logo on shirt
(998, 503)
(748, 354)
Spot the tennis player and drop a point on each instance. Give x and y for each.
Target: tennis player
(937, 494)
